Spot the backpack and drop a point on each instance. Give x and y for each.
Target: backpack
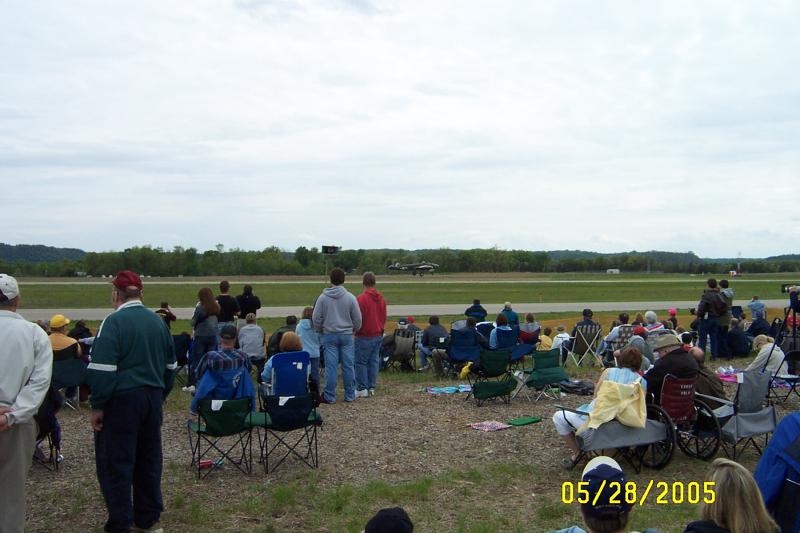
(581, 388)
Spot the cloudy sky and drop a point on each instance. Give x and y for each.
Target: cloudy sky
(606, 126)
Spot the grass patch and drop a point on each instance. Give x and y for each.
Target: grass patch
(432, 291)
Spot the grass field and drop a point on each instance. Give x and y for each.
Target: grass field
(37, 295)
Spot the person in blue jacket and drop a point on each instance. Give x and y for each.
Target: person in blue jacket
(778, 474)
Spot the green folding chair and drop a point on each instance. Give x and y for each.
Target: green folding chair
(546, 374)
(292, 421)
(492, 378)
(216, 420)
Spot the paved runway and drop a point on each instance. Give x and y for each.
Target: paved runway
(418, 310)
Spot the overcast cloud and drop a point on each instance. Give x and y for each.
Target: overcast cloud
(606, 126)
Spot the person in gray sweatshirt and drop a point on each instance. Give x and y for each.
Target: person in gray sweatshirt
(337, 316)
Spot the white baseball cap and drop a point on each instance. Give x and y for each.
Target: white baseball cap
(8, 287)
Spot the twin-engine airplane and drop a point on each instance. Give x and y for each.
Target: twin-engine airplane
(415, 268)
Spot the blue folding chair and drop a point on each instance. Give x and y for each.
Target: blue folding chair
(485, 328)
(290, 371)
(507, 338)
(464, 348)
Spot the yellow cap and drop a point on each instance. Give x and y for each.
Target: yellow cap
(58, 321)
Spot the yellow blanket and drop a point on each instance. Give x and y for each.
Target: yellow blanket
(625, 403)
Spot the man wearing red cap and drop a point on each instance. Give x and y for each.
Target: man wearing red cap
(131, 373)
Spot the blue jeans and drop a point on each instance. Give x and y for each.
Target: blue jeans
(339, 349)
(315, 370)
(367, 361)
(709, 329)
(424, 353)
(201, 346)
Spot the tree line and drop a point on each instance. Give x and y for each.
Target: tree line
(181, 261)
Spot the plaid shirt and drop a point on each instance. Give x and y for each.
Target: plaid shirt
(223, 360)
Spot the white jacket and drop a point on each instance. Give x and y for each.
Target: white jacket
(26, 360)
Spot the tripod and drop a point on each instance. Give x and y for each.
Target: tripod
(793, 346)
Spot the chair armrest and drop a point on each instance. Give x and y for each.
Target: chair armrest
(576, 411)
(720, 400)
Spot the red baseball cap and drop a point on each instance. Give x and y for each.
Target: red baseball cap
(639, 330)
(127, 278)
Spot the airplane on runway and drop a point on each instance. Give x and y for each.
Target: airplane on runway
(415, 268)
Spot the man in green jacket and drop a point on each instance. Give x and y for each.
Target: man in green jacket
(132, 371)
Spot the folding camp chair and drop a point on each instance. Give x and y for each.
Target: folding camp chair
(492, 378)
(463, 349)
(506, 338)
(791, 378)
(544, 376)
(748, 416)
(518, 354)
(585, 344)
(68, 373)
(697, 429)
(652, 446)
(404, 350)
(624, 334)
(47, 428)
(282, 416)
(485, 328)
(290, 406)
(182, 344)
(217, 419)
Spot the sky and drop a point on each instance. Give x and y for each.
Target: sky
(603, 126)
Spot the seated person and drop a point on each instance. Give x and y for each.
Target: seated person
(275, 338)
(759, 326)
(626, 373)
(638, 320)
(224, 374)
(639, 341)
(673, 317)
(672, 359)
(411, 324)
(738, 343)
(435, 336)
(604, 511)
(501, 324)
(768, 350)
(251, 342)
(529, 331)
(511, 315)
(227, 357)
(476, 311)
(613, 335)
(651, 322)
(64, 348)
(545, 340)
(311, 342)
(480, 340)
(757, 306)
(708, 381)
(388, 344)
(290, 342)
(562, 342)
(741, 508)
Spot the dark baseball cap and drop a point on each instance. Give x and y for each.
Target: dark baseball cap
(391, 520)
(228, 332)
(602, 472)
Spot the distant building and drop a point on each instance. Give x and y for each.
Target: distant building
(612, 271)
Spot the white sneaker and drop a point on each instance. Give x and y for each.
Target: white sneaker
(190, 388)
(362, 393)
(371, 392)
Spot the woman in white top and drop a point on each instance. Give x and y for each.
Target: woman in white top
(764, 345)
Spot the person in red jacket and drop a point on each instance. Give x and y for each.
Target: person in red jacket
(368, 338)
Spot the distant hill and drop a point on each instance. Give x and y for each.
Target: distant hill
(37, 253)
(785, 257)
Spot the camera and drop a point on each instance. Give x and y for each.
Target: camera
(787, 286)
